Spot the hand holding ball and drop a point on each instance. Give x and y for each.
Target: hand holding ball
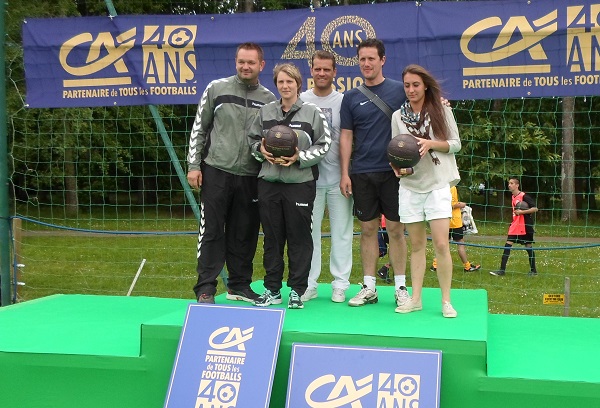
(403, 151)
(281, 141)
(521, 205)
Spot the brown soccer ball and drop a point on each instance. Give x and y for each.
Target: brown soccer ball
(403, 151)
(281, 140)
(521, 205)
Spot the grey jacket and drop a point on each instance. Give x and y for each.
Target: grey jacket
(314, 139)
(219, 135)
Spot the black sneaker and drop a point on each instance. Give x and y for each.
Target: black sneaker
(245, 295)
(204, 298)
(433, 268)
(295, 302)
(499, 272)
(473, 268)
(384, 273)
(532, 273)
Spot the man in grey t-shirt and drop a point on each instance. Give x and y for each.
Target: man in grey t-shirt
(341, 221)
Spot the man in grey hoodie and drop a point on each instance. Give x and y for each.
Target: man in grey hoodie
(221, 165)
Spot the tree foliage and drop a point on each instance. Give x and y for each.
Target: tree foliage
(115, 148)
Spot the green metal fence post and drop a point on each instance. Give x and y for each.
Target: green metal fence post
(4, 218)
(169, 146)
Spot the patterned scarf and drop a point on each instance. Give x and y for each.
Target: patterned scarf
(418, 125)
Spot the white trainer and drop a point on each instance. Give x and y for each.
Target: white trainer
(401, 296)
(364, 297)
(310, 293)
(338, 295)
(409, 306)
(448, 310)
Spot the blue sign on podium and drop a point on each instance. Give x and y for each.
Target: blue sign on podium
(323, 376)
(226, 357)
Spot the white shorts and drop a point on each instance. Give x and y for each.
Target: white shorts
(417, 207)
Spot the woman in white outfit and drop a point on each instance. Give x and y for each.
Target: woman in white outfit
(424, 196)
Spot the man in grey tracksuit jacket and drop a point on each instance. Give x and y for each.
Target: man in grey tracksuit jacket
(220, 154)
(286, 194)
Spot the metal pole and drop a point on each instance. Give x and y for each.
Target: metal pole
(137, 275)
(166, 140)
(169, 146)
(4, 219)
(111, 8)
(567, 296)
(175, 160)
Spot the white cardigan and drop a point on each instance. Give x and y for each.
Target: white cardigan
(427, 176)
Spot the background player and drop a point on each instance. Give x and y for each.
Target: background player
(457, 233)
(521, 229)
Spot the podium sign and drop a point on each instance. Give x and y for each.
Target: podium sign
(226, 357)
(336, 376)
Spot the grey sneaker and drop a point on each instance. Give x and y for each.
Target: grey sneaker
(338, 295)
(268, 298)
(364, 297)
(311, 293)
(204, 298)
(409, 306)
(401, 296)
(295, 302)
(448, 310)
(499, 272)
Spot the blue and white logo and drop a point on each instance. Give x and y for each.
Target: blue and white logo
(338, 377)
(220, 351)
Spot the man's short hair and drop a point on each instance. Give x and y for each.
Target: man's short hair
(324, 55)
(372, 43)
(251, 46)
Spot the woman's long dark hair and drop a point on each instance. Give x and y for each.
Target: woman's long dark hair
(433, 102)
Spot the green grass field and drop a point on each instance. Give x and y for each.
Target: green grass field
(58, 261)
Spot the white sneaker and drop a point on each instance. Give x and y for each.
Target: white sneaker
(448, 310)
(310, 293)
(409, 306)
(364, 297)
(338, 295)
(401, 296)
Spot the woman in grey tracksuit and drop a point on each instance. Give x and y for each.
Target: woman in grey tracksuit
(286, 191)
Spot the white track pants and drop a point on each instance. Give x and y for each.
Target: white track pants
(341, 223)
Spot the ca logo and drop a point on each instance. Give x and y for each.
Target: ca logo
(234, 337)
(529, 37)
(115, 47)
(343, 392)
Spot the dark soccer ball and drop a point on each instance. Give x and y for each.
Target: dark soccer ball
(403, 151)
(521, 205)
(281, 140)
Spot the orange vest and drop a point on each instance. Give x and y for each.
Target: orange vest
(517, 227)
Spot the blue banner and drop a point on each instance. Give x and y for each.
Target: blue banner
(478, 50)
(337, 376)
(226, 357)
